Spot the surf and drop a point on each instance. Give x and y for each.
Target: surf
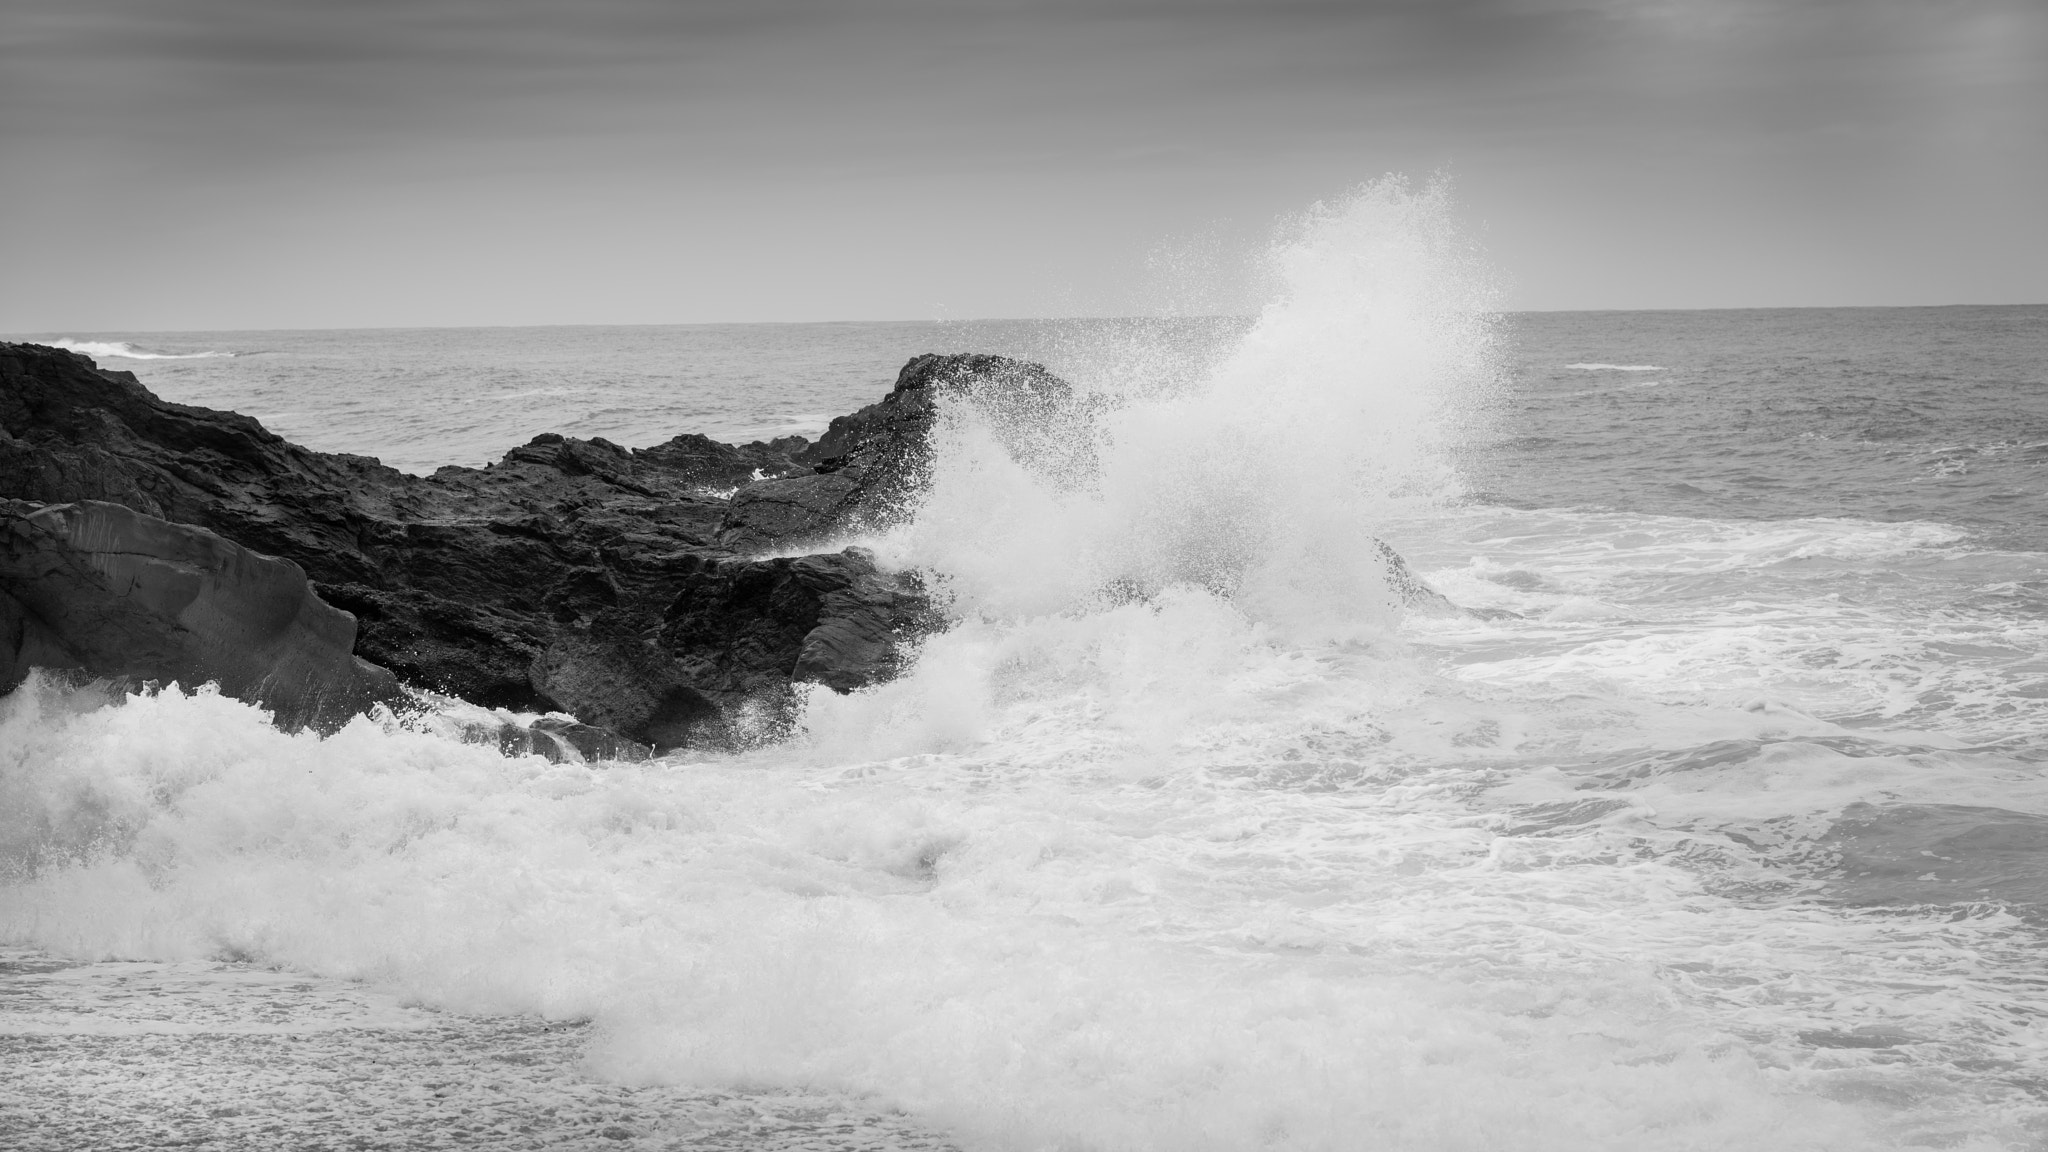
(126, 351)
(1186, 833)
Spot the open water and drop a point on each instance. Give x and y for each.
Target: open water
(1733, 836)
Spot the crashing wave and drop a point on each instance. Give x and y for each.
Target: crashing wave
(127, 351)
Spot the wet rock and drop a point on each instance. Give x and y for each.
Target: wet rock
(1416, 595)
(752, 628)
(723, 467)
(540, 583)
(648, 592)
(790, 512)
(870, 466)
(558, 738)
(102, 589)
(587, 740)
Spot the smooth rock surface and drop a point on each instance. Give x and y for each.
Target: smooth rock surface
(102, 589)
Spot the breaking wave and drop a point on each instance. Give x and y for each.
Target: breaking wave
(1185, 836)
(1261, 483)
(127, 351)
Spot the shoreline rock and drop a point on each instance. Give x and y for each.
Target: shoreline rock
(649, 593)
(867, 468)
(570, 576)
(101, 588)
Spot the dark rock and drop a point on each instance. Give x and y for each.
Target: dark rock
(557, 739)
(724, 467)
(102, 589)
(752, 628)
(871, 466)
(589, 742)
(540, 583)
(631, 588)
(791, 512)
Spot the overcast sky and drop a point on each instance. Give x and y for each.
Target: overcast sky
(193, 164)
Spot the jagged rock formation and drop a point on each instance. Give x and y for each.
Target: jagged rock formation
(658, 595)
(102, 589)
(572, 575)
(867, 467)
(843, 617)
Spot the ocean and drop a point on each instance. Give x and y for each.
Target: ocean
(1728, 830)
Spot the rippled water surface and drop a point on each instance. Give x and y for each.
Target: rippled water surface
(1888, 414)
(1875, 413)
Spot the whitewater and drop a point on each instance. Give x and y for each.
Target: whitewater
(1722, 824)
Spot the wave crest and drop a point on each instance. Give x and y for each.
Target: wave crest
(1261, 481)
(127, 351)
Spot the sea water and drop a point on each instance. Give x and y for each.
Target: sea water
(1728, 830)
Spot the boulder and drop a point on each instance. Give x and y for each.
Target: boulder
(105, 590)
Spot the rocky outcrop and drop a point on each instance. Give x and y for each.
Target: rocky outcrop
(663, 596)
(101, 589)
(832, 619)
(867, 469)
(550, 580)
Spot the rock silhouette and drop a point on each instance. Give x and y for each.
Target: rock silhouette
(570, 576)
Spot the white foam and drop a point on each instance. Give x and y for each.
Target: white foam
(1032, 962)
(1168, 843)
(124, 350)
(1847, 619)
(1262, 480)
(1120, 911)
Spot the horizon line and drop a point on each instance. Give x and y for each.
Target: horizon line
(72, 333)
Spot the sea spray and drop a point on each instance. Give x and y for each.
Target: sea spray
(1162, 848)
(1264, 481)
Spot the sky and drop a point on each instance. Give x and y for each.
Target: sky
(245, 164)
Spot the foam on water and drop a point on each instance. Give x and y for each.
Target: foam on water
(1182, 837)
(127, 351)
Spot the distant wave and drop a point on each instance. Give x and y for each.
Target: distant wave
(1617, 367)
(129, 351)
